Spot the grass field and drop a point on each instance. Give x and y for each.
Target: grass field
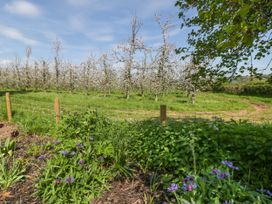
(91, 157)
(30, 108)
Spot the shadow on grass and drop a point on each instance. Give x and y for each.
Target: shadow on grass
(244, 94)
(23, 91)
(13, 92)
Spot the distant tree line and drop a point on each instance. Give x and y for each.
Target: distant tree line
(131, 67)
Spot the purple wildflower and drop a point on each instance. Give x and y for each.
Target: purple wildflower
(101, 158)
(215, 171)
(58, 181)
(223, 175)
(42, 157)
(70, 180)
(173, 187)
(73, 153)
(229, 164)
(265, 191)
(80, 146)
(189, 187)
(188, 179)
(81, 162)
(268, 192)
(57, 142)
(64, 152)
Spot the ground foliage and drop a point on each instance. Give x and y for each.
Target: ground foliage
(91, 150)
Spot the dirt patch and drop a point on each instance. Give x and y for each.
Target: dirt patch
(7, 130)
(135, 191)
(260, 107)
(22, 192)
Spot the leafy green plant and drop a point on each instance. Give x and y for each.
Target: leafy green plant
(36, 150)
(192, 145)
(10, 173)
(86, 157)
(92, 150)
(7, 148)
(215, 185)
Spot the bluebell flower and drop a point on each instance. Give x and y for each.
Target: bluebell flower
(58, 181)
(101, 158)
(173, 187)
(189, 179)
(268, 192)
(42, 157)
(223, 175)
(70, 180)
(80, 146)
(64, 152)
(73, 153)
(229, 164)
(189, 187)
(57, 142)
(265, 191)
(81, 162)
(215, 171)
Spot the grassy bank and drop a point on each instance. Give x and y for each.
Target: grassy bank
(35, 112)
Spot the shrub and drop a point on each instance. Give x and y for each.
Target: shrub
(254, 88)
(193, 145)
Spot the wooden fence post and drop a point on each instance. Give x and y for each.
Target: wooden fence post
(163, 116)
(9, 109)
(57, 109)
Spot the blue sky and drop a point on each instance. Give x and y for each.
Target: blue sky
(83, 26)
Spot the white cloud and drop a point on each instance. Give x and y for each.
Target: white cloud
(24, 8)
(15, 34)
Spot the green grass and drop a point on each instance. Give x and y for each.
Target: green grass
(31, 108)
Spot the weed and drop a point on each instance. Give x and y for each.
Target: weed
(10, 173)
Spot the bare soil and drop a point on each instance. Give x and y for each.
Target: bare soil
(7, 130)
(22, 192)
(130, 191)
